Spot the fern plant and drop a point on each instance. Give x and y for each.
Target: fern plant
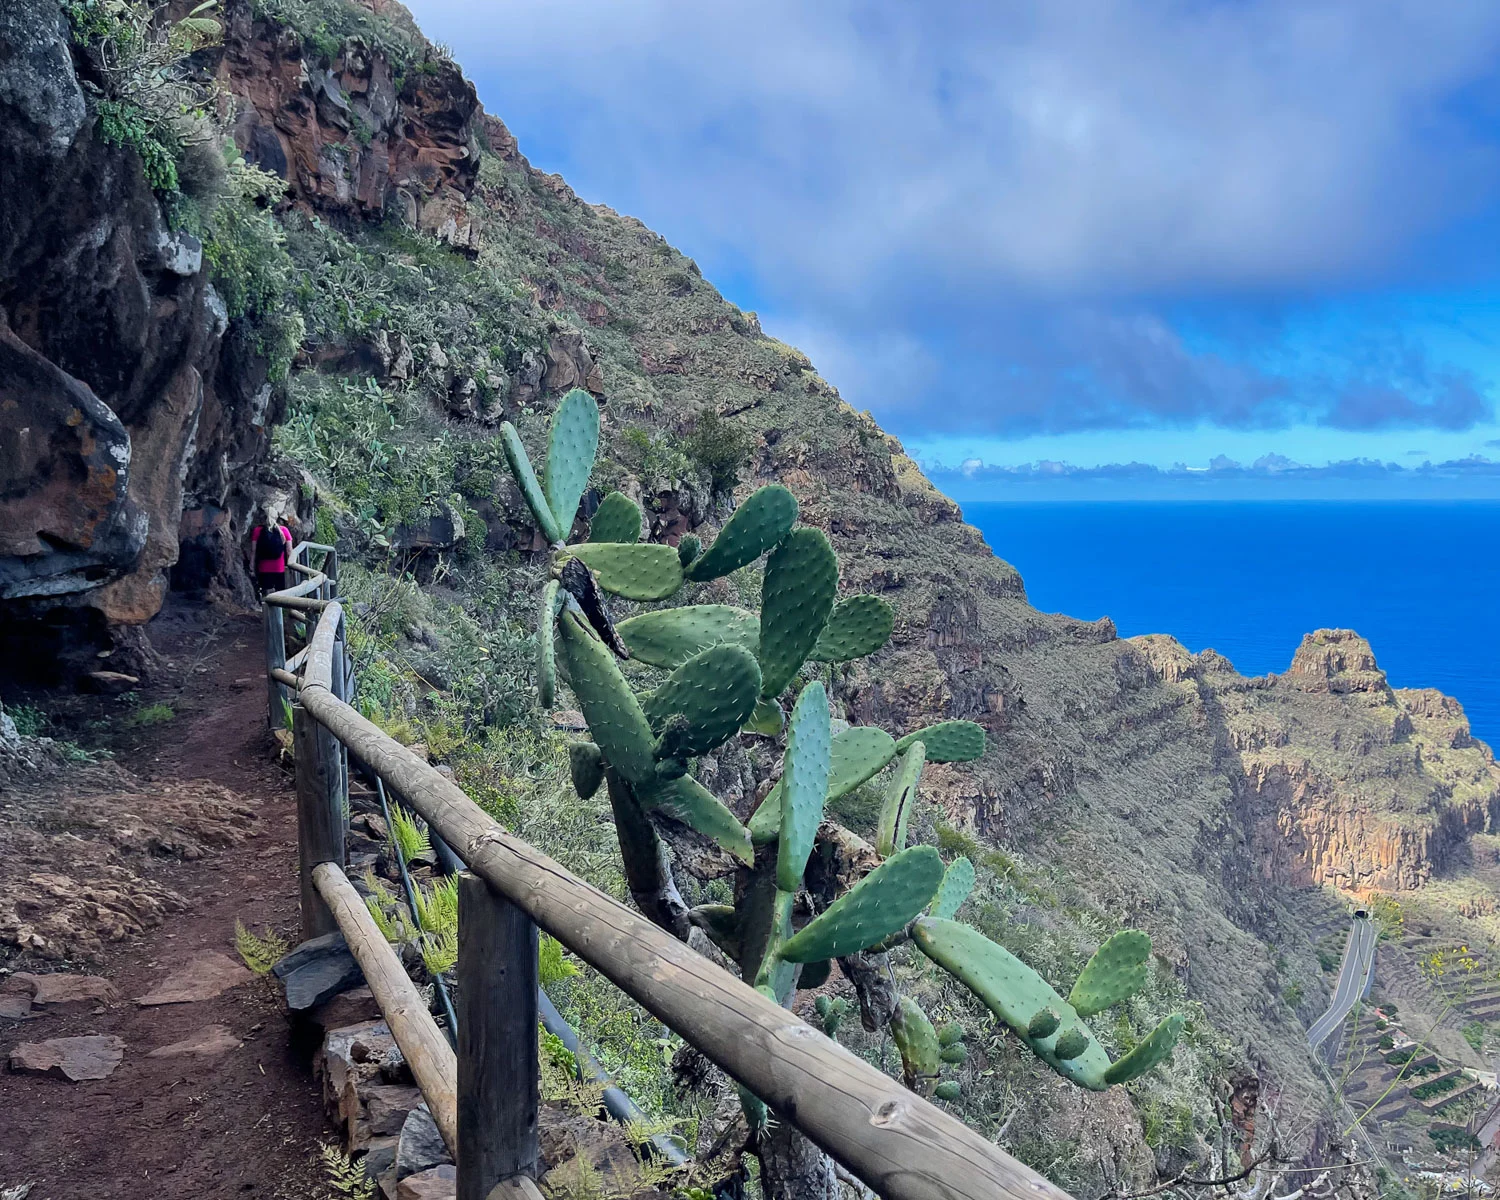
(411, 838)
(262, 953)
(345, 1176)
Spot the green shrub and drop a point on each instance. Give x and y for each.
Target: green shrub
(1451, 1138)
(30, 720)
(1474, 1035)
(1426, 1091)
(151, 714)
(720, 450)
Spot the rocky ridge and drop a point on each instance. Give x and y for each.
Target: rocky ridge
(1176, 793)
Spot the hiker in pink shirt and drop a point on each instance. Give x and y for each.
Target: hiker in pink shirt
(269, 546)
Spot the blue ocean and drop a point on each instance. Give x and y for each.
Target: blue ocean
(1419, 579)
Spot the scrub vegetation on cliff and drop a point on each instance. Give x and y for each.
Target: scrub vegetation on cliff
(398, 280)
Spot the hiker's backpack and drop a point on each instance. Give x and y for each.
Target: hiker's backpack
(271, 544)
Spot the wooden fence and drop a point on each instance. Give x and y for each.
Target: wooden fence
(484, 1097)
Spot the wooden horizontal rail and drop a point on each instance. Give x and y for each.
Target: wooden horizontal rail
(283, 676)
(303, 569)
(320, 650)
(306, 588)
(302, 603)
(433, 1064)
(898, 1143)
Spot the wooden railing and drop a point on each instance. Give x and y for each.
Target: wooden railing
(484, 1097)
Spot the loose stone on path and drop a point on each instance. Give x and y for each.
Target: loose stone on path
(208, 1042)
(93, 1056)
(60, 992)
(205, 975)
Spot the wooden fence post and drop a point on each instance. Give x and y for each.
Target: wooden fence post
(274, 625)
(497, 1040)
(320, 819)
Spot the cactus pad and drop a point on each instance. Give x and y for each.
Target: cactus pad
(899, 801)
(918, 1043)
(546, 658)
(1156, 1048)
(955, 1055)
(767, 719)
(715, 691)
(615, 719)
(881, 903)
(586, 766)
(531, 490)
(814, 975)
(804, 783)
(761, 522)
(948, 741)
(1117, 971)
(802, 577)
(571, 445)
(1044, 1024)
(617, 519)
(686, 800)
(644, 572)
(958, 882)
(947, 1090)
(858, 753)
(1013, 992)
(950, 1034)
(857, 626)
(669, 637)
(1071, 1043)
(689, 546)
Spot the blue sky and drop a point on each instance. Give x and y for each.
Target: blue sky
(1086, 232)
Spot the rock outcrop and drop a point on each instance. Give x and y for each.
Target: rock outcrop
(1346, 780)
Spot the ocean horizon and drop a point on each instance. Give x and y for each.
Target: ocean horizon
(1418, 578)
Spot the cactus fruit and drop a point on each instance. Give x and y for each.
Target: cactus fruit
(640, 572)
(761, 522)
(948, 741)
(917, 1042)
(857, 626)
(947, 1090)
(1012, 991)
(857, 754)
(958, 882)
(804, 783)
(1156, 1048)
(802, 576)
(1117, 971)
(881, 903)
(689, 546)
(615, 719)
(1043, 1024)
(815, 974)
(716, 691)
(586, 766)
(531, 490)
(899, 801)
(955, 1055)
(1071, 1043)
(767, 720)
(546, 658)
(572, 443)
(950, 1034)
(617, 519)
(686, 800)
(669, 637)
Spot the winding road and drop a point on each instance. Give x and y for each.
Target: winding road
(1353, 982)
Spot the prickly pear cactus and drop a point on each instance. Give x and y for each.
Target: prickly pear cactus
(617, 519)
(695, 677)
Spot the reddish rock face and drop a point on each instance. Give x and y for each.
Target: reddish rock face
(348, 134)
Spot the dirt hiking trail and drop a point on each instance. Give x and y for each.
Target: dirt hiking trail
(192, 827)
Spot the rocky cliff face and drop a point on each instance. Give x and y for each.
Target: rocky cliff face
(1346, 781)
(1171, 791)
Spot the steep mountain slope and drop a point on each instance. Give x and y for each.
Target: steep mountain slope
(445, 284)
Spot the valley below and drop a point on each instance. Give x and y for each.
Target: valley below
(334, 326)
